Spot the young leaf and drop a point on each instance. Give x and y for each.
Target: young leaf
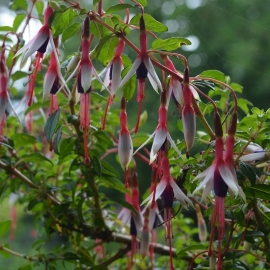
(262, 191)
(215, 74)
(169, 44)
(71, 31)
(150, 23)
(142, 2)
(118, 7)
(51, 125)
(36, 157)
(4, 227)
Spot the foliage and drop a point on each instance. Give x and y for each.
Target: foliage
(64, 142)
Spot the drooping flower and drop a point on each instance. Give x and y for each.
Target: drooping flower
(161, 133)
(188, 113)
(168, 189)
(143, 68)
(51, 80)
(219, 178)
(125, 146)
(41, 39)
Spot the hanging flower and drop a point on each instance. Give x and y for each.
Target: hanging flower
(161, 133)
(41, 39)
(125, 146)
(143, 68)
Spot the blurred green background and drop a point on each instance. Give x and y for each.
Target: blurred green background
(230, 36)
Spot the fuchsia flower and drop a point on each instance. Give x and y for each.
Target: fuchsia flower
(41, 39)
(51, 80)
(143, 68)
(168, 189)
(161, 133)
(219, 178)
(188, 114)
(125, 146)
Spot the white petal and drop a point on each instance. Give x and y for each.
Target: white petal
(253, 157)
(98, 78)
(153, 82)
(124, 216)
(86, 75)
(133, 69)
(38, 41)
(48, 83)
(168, 97)
(24, 48)
(194, 92)
(116, 76)
(125, 149)
(152, 217)
(148, 64)
(177, 91)
(207, 189)
(179, 195)
(173, 145)
(204, 173)
(228, 178)
(150, 137)
(159, 190)
(145, 242)
(159, 139)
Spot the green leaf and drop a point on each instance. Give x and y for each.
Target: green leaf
(262, 191)
(17, 21)
(62, 21)
(214, 74)
(142, 2)
(66, 147)
(150, 23)
(130, 87)
(40, 8)
(36, 157)
(139, 138)
(118, 7)
(56, 140)
(4, 253)
(19, 75)
(169, 44)
(71, 31)
(96, 164)
(249, 172)
(51, 125)
(4, 227)
(23, 139)
(5, 28)
(70, 256)
(183, 251)
(18, 5)
(106, 51)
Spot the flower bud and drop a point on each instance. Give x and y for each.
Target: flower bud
(142, 24)
(145, 242)
(54, 5)
(73, 63)
(86, 28)
(189, 124)
(233, 124)
(218, 125)
(186, 76)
